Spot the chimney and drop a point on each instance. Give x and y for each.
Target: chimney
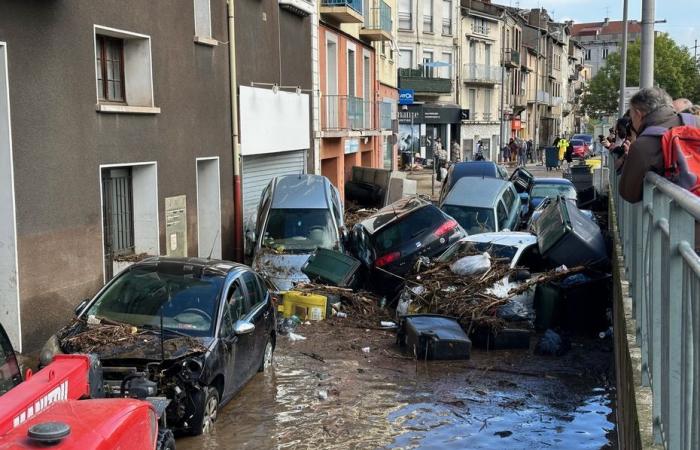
(605, 21)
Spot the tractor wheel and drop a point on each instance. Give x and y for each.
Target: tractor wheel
(166, 440)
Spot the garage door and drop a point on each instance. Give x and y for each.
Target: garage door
(258, 170)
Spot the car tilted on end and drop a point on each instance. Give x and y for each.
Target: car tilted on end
(296, 215)
(391, 240)
(199, 329)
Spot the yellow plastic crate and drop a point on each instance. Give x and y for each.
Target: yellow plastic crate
(304, 306)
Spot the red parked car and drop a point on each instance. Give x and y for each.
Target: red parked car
(580, 148)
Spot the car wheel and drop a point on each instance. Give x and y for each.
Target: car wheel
(166, 440)
(266, 362)
(207, 411)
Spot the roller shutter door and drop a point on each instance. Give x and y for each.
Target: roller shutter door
(258, 170)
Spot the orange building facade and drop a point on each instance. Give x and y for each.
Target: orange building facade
(350, 106)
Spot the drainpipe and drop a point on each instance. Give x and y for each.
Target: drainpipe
(502, 126)
(235, 144)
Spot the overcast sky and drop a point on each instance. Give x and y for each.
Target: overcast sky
(682, 16)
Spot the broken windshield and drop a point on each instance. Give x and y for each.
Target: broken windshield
(188, 301)
(299, 230)
(473, 220)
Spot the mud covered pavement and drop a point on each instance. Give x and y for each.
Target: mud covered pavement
(327, 392)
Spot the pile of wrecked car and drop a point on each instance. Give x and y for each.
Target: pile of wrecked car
(442, 275)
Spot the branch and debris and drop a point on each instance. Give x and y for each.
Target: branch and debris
(357, 215)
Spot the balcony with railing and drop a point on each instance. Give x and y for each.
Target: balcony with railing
(424, 81)
(481, 74)
(343, 11)
(511, 58)
(481, 117)
(346, 113)
(378, 25)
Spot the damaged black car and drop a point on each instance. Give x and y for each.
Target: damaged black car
(197, 329)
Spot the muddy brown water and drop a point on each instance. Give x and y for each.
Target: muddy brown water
(382, 399)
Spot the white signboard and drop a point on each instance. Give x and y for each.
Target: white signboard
(273, 122)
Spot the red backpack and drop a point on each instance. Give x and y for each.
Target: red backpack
(681, 149)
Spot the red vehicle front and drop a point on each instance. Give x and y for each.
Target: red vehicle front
(62, 406)
(580, 149)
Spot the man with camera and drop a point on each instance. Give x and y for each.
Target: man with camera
(650, 107)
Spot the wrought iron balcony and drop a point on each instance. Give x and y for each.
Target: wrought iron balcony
(423, 80)
(481, 74)
(378, 25)
(343, 11)
(511, 58)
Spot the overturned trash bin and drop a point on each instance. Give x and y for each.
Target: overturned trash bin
(565, 236)
(332, 267)
(434, 337)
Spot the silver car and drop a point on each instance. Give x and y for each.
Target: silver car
(297, 214)
(483, 205)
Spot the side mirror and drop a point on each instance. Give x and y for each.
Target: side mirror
(250, 236)
(344, 234)
(81, 306)
(243, 327)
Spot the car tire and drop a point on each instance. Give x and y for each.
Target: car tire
(267, 358)
(166, 440)
(207, 403)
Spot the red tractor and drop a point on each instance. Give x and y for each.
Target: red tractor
(61, 406)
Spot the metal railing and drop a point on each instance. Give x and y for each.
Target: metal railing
(511, 57)
(345, 112)
(658, 243)
(379, 18)
(354, 4)
(481, 72)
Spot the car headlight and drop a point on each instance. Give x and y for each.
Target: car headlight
(50, 349)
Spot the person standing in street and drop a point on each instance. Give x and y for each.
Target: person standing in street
(456, 152)
(562, 145)
(440, 157)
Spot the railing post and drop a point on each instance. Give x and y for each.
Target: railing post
(644, 300)
(681, 228)
(661, 204)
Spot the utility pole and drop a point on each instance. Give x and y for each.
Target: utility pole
(647, 56)
(623, 66)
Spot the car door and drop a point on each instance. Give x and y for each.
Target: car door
(227, 350)
(501, 215)
(258, 315)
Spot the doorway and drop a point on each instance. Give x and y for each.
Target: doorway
(208, 208)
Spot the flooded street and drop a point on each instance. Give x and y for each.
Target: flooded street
(326, 392)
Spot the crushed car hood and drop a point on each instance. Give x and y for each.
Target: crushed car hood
(282, 270)
(114, 342)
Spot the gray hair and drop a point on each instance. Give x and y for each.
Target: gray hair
(650, 99)
(682, 104)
